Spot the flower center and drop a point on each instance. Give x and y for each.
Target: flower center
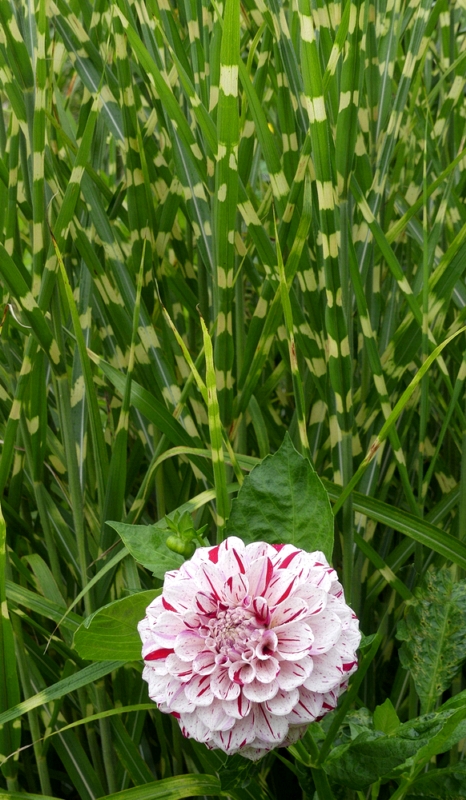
(234, 629)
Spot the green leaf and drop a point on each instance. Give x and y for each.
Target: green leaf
(373, 754)
(168, 789)
(283, 501)
(434, 645)
(147, 544)
(82, 678)
(449, 783)
(113, 629)
(386, 718)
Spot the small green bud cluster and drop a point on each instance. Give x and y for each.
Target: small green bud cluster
(183, 536)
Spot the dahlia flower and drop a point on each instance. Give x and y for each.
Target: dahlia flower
(248, 644)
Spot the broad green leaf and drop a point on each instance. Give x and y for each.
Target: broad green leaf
(283, 501)
(373, 754)
(441, 783)
(432, 632)
(113, 629)
(386, 718)
(147, 544)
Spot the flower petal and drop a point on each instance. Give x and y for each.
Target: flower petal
(327, 673)
(307, 709)
(178, 668)
(222, 686)
(280, 587)
(295, 641)
(266, 670)
(294, 674)
(269, 728)
(259, 692)
(259, 575)
(204, 663)
(198, 690)
(205, 603)
(291, 610)
(326, 628)
(215, 717)
(235, 589)
(283, 702)
(238, 708)
(188, 644)
(242, 733)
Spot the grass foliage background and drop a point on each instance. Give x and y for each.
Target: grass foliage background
(296, 174)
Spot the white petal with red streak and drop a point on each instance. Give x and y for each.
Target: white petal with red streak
(280, 587)
(222, 687)
(291, 610)
(210, 579)
(326, 628)
(188, 644)
(259, 574)
(192, 726)
(283, 702)
(266, 670)
(178, 668)
(307, 709)
(295, 641)
(238, 708)
(204, 663)
(180, 595)
(242, 733)
(326, 674)
(293, 674)
(198, 690)
(214, 716)
(235, 590)
(269, 728)
(259, 692)
(241, 672)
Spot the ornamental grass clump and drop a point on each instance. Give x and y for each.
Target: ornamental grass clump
(249, 644)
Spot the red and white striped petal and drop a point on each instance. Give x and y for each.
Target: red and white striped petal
(327, 673)
(267, 645)
(210, 580)
(259, 692)
(259, 575)
(182, 670)
(204, 663)
(283, 702)
(188, 644)
(192, 727)
(266, 670)
(280, 587)
(314, 597)
(307, 709)
(294, 674)
(179, 595)
(222, 686)
(326, 628)
(238, 708)
(292, 610)
(235, 590)
(295, 641)
(214, 716)
(241, 673)
(205, 603)
(232, 558)
(241, 734)
(269, 727)
(198, 690)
